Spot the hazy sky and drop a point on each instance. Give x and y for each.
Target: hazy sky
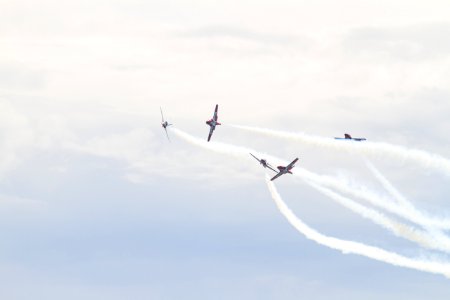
(95, 203)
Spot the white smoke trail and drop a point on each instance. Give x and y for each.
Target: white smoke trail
(388, 186)
(432, 225)
(423, 158)
(222, 147)
(407, 205)
(361, 192)
(345, 246)
(399, 229)
(435, 238)
(420, 237)
(420, 157)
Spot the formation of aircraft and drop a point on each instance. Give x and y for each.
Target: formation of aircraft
(164, 124)
(264, 163)
(213, 122)
(349, 137)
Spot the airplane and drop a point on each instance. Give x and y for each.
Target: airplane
(213, 122)
(284, 170)
(349, 137)
(164, 124)
(264, 163)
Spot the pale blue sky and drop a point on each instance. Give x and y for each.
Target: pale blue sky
(95, 203)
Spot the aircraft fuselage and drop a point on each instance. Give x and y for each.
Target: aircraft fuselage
(212, 123)
(349, 137)
(284, 170)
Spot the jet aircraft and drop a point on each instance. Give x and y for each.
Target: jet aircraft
(164, 124)
(213, 122)
(349, 137)
(284, 170)
(264, 163)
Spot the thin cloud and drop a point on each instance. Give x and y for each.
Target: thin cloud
(245, 34)
(409, 43)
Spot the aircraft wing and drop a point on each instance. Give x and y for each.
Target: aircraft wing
(162, 116)
(276, 176)
(270, 167)
(291, 164)
(352, 139)
(167, 134)
(211, 129)
(215, 117)
(255, 157)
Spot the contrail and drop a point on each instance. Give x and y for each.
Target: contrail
(423, 158)
(361, 192)
(405, 208)
(420, 237)
(224, 148)
(407, 205)
(388, 186)
(408, 212)
(316, 180)
(420, 157)
(346, 246)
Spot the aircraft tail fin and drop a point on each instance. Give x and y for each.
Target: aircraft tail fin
(347, 136)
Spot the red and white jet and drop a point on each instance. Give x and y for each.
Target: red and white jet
(264, 163)
(213, 122)
(349, 137)
(284, 170)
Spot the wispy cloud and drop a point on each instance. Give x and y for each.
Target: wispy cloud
(408, 43)
(224, 31)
